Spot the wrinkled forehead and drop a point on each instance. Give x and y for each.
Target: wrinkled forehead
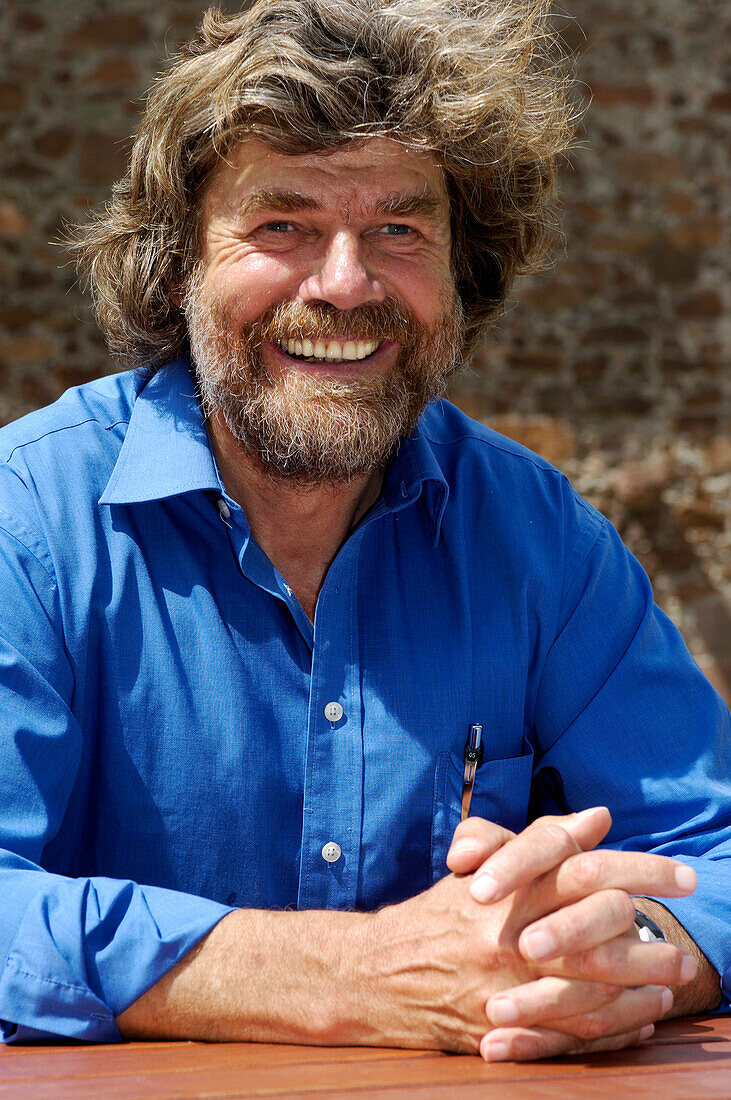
(374, 175)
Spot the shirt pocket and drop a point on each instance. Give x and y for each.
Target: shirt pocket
(500, 794)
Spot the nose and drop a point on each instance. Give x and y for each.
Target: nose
(342, 276)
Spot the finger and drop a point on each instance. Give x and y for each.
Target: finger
(529, 1044)
(545, 843)
(632, 1010)
(586, 1010)
(586, 923)
(628, 961)
(586, 873)
(546, 999)
(474, 841)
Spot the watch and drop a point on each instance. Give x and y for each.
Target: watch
(647, 929)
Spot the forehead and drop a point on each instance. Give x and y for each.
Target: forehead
(356, 175)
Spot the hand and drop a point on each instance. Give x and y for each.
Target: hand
(437, 959)
(578, 1014)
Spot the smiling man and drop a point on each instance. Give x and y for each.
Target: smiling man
(286, 638)
(320, 329)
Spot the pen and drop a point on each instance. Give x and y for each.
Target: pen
(473, 752)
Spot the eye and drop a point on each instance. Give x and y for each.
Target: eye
(397, 229)
(278, 227)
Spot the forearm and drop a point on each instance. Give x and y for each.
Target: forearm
(703, 993)
(417, 974)
(331, 978)
(264, 976)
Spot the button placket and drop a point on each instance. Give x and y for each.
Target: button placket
(333, 796)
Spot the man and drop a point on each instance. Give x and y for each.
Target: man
(257, 594)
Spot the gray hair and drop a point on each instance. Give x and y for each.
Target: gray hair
(480, 84)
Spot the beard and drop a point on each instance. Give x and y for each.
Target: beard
(312, 427)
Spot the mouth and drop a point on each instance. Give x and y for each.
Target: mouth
(325, 350)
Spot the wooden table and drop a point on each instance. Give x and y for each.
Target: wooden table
(685, 1060)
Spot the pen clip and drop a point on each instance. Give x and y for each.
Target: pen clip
(474, 750)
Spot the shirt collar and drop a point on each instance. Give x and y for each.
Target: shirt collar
(166, 450)
(414, 472)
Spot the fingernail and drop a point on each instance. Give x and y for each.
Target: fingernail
(666, 1001)
(538, 945)
(502, 1011)
(688, 968)
(484, 887)
(495, 1052)
(646, 1032)
(685, 877)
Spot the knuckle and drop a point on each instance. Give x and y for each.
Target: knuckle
(553, 831)
(586, 870)
(591, 1026)
(608, 993)
(588, 963)
(552, 837)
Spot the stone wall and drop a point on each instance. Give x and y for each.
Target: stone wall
(611, 365)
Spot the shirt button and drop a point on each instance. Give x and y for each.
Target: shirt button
(331, 852)
(333, 713)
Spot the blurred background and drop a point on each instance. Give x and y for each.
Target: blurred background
(612, 365)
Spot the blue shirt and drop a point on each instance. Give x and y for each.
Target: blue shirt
(164, 749)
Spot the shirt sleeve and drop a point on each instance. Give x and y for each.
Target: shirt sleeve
(74, 952)
(626, 719)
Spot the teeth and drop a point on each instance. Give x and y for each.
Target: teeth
(332, 350)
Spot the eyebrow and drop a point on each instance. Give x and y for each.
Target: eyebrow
(267, 199)
(423, 204)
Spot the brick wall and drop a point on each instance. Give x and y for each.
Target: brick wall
(611, 365)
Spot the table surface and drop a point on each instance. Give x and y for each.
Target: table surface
(690, 1059)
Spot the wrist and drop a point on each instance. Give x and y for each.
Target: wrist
(703, 993)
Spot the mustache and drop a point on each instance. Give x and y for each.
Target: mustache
(387, 320)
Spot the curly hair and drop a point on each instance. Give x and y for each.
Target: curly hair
(480, 84)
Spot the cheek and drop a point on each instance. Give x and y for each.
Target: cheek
(423, 282)
(429, 297)
(253, 284)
